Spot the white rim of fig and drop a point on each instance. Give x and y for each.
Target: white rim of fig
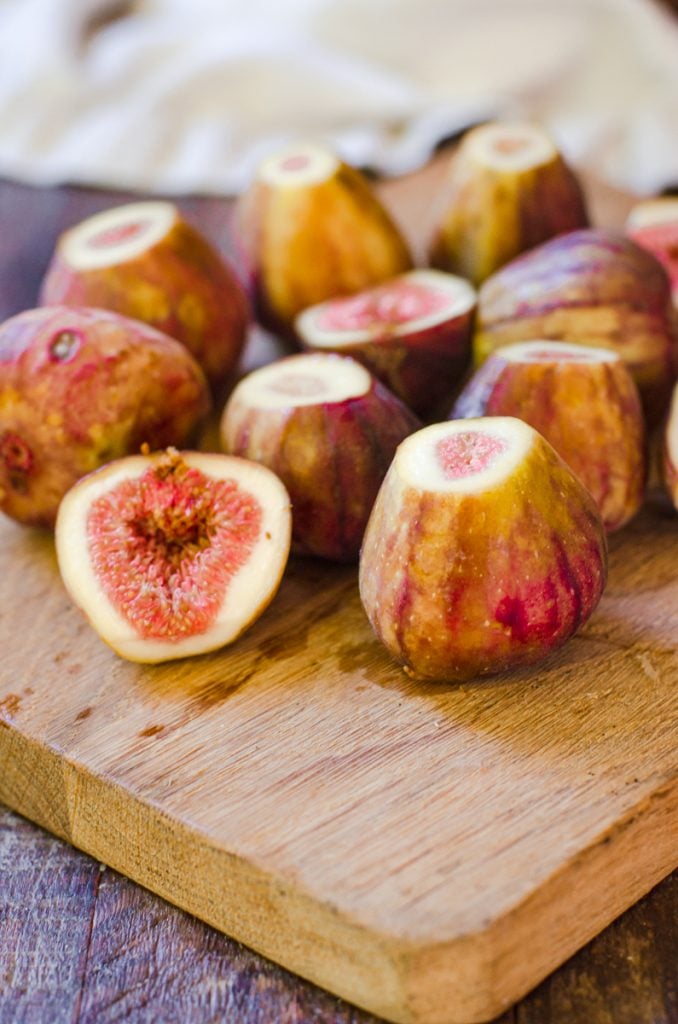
(461, 293)
(417, 463)
(510, 146)
(529, 352)
(296, 166)
(154, 220)
(306, 379)
(653, 211)
(249, 590)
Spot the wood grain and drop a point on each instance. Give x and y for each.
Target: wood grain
(338, 816)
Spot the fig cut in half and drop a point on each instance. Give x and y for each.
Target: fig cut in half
(329, 430)
(145, 261)
(483, 551)
(413, 333)
(171, 555)
(584, 402)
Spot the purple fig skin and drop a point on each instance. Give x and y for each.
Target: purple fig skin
(670, 451)
(592, 287)
(331, 456)
(80, 387)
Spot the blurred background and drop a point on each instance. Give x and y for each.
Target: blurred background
(187, 95)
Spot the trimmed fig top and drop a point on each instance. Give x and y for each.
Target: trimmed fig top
(654, 211)
(408, 303)
(117, 235)
(513, 146)
(306, 379)
(298, 165)
(463, 456)
(556, 352)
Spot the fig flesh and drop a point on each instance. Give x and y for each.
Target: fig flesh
(171, 555)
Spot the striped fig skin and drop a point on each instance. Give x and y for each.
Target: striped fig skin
(458, 585)
(492, 214)
(670, 450)
(331, 456)
(590, 287)
(180, 286)
(303, 245)
(590, 412)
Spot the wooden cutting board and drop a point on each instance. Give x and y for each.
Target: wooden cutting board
(429, 852)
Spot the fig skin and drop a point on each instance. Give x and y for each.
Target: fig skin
(79, 387)
(653, 224)
(458, 585)
(670, 450)
(172, 554)
(590, 287)
(331, 456)
(492, 214)
(589, 411)
(302, 245)
(422, 366)
(180, 286)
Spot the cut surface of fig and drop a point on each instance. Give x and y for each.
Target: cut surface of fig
(298, 166)
(556, 352)
(410, 303)
(307, 379)
(117, 235)
(173, 554)
(511, 146)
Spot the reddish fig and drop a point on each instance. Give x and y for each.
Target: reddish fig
(654, 225)
(483, 551)
(329, 430)
(170, 555)
(413, 333)
(146, 262)
(79, 387)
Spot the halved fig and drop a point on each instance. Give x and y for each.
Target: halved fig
(329, 430)
(653, 224)
(670, 464)
(173, 554)
(145, 261)
(483, 551)
(79, 387)
(310, 228)
(508, 190)
(592, 287)
(584, 401)
(413, 333)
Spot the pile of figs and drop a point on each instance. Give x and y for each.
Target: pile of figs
(468, 432)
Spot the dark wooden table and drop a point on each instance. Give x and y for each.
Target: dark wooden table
(79, 943)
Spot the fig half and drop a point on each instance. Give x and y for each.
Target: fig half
(170, 555)
(413, 333)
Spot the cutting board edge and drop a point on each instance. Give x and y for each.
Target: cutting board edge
(468, 979)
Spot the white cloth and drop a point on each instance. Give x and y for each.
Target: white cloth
(186, 95)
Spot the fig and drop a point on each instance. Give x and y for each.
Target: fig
(329, 430)
(584, 402)
(413, 333)
(173, 554)
(483, 551)
(145, 261)
(671, 450)
(310, 228)
(653, 224)
(508, 190)
(590, 287)
(79, 387)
